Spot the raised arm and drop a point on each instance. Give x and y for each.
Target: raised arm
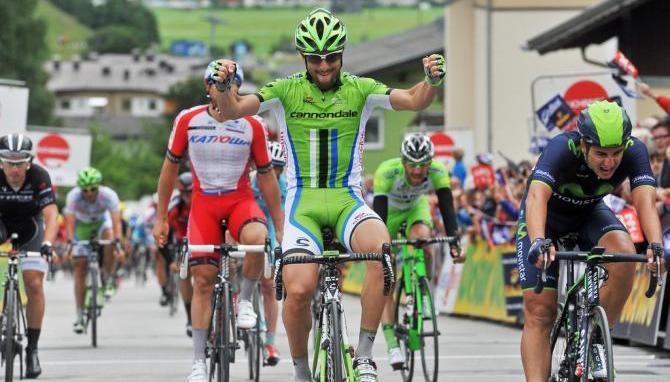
(421, 95)
(231, 104)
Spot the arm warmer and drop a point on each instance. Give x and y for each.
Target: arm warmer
(446, 203)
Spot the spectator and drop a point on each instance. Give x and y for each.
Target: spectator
(662, 101)
(459, 171)
(482, 173)
(661, 137)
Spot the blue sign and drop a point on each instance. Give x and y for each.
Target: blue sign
(555, 113)
(188, 48)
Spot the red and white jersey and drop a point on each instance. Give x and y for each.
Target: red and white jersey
(220, 152)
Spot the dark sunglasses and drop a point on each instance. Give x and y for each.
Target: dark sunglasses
(90, 189)
(315, 58)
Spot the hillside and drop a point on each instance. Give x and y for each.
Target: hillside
(65, 35)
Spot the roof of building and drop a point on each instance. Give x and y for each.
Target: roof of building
(373, 55)
(122, 72)
(595, 24)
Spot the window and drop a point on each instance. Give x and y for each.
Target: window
(126, 104)
(374, 132)
(65, 104)
(152, 104)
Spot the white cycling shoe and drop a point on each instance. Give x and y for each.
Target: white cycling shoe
(246, 317)
(396, 358)
(198, 371)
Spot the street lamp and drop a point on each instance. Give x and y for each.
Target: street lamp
(213, 21)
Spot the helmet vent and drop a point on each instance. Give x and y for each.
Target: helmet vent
(319, 28)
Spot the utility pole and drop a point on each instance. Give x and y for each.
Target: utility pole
(213, 21)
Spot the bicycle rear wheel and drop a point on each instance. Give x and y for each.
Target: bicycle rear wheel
(561, 340)
(254, 339)
(404, 317)
(9, 318)
(599, 335)
(334, 357)
(429, 335)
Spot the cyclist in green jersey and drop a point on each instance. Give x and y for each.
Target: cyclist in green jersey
(322, 114)
(400, 187)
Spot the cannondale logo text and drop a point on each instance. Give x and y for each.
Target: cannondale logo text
(324, 115)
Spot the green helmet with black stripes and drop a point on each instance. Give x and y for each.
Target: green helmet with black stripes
(89, 177)
(320, 32)
(604, 124)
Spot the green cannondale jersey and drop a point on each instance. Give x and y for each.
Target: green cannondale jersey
(323, 132)
(390, 180)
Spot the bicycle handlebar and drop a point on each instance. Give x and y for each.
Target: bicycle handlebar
(21, 254)
(384, 258)
(597, 255)
(237, 251)
(422, 242)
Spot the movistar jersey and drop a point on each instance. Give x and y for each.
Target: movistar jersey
(574, 186)
(390, 180)
(323, 131)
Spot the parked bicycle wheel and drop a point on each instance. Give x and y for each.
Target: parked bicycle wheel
(404, 318)
(429, 334)
(9, 317)
(599, 342)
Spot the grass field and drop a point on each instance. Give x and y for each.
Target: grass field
(264, 27)
(65, 35)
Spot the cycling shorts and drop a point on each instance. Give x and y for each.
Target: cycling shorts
(309, 210)
(86, 231)
(207, 211)
(420, 213)
(590, 225)
(31, 237)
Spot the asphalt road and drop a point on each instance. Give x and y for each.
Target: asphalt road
(140, 342)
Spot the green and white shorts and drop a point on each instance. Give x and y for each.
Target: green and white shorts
(309, 210)
(420, 213)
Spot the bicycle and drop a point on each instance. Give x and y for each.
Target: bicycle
(333, 361)
(223, 338)
(581, 322)
(414, 306)
(92, 307)
(13, 319)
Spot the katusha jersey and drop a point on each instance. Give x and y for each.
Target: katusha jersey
(574, 186)
(323, 132)
(390, 180)
(220, 152)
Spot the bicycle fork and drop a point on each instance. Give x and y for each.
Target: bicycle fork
(591, 294)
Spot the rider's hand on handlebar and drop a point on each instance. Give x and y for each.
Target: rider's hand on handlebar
(456, 252)
(651, 260)
(537, 252)
(46, 249)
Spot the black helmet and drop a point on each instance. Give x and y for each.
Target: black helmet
(604, 124)
(185, 181)
(417, 148)
(16, 148)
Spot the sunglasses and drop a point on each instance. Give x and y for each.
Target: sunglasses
(89, 190)
(14, 162)
(315, 58)
(418, 165)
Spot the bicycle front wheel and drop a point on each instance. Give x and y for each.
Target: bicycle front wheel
(599, 344)
(334, 357)
(9, 317)
(429, 335)
(93, 308)
(405, 318)
(225, 335)
(254, 338)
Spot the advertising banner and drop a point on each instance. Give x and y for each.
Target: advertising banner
(640, 318)
(555, 114)
(62, 155)
(13, 109)
(513, 291)
(481, 292)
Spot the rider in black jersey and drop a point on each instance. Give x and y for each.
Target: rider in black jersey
(28, 208)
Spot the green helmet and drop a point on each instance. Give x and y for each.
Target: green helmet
(604, 124)
(89, 177)
(320, 32)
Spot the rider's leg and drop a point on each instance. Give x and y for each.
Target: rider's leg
(614, 292)
(270, 308)
(108, 262)
(539, 315)
(161, 275)
(80, 269)
(204, 277)
(186, 289)
(33, 281)
(300, 282)
(369, 236)
(252, 233)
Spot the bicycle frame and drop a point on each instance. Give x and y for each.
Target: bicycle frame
(331, 297)
(413, 270)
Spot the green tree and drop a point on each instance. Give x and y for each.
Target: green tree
(116, 39)
(23, 51)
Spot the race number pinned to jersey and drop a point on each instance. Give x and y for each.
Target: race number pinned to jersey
(628, 216)
(555, 113)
